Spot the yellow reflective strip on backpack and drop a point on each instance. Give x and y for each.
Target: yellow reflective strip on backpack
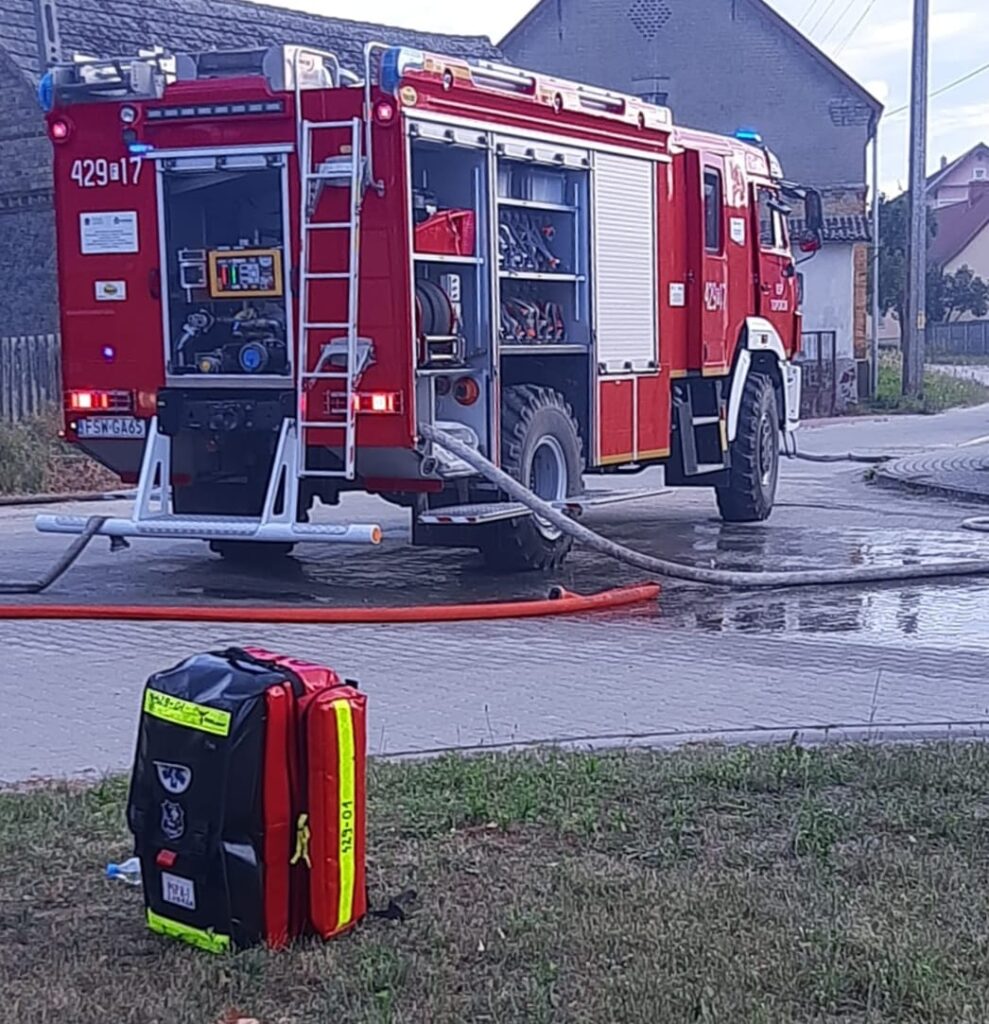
(203, 938)
(348, 807)
(185, 712)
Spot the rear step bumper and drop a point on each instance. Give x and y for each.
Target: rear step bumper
(493, 512)
(218, 528)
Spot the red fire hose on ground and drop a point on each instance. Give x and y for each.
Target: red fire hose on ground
(559, 602)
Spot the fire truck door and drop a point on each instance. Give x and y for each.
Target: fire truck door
(713, 297)
(777, 290)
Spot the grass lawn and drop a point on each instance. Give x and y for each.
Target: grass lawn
(941, 390)
(33, 460)
(773, 885)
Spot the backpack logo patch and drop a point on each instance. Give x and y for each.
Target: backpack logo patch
(174, 778)
(172, 819)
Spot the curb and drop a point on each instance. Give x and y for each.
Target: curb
(933, 490)
(16, 500)
(932, 475)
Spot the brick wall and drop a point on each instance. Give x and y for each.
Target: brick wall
(27, 231)
(725, 64)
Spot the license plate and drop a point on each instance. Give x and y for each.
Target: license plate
(111, 426)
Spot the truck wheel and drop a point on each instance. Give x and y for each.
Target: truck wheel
(540, 447)
(755, 456)
(229, 499)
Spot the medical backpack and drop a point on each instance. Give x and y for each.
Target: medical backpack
(247, 800)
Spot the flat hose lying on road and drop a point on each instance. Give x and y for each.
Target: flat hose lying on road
(72, 552)
(559, 602)
(690, 573)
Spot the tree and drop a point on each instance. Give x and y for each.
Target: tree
(949, 296)
(894, 226)
(964, 292)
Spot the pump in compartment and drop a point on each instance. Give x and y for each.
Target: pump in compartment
(226, 288)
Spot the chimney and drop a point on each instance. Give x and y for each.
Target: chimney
(944, 162)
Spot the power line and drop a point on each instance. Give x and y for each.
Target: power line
(942, 90)
(838, 21)
(808, 12)
(827, 10)
(855, 27)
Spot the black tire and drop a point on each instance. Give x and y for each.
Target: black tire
(755, 456)
(540, 441)
(229, 499)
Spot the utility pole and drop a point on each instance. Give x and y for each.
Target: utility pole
(915, 329)
(876, 308)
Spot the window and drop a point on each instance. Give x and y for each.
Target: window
(980, 173)
(767, 224)
(773, 231)
(713, 211)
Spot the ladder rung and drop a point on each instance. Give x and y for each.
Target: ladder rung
(322, 424)
(336, 275)
(329, 176)
(315, 125)
(326, 375)
(340, 473)
(329, 225)
(330, 326)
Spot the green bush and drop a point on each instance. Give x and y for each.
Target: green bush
(941, 390)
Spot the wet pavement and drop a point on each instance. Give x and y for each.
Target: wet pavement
(702, 662)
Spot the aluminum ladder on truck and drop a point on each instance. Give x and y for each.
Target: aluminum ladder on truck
(345, 356)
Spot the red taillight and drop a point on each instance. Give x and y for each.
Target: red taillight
(378, 401)
(384, 112)
(100, 401)
(59, 130)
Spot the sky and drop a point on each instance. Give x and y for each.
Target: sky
(870, 39)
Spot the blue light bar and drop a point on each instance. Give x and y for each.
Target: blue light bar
(394, 63)
(749, 135)
(46, 92)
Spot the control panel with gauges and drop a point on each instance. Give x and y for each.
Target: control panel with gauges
(240, 273)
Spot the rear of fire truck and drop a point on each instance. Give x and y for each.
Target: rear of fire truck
(272, 273)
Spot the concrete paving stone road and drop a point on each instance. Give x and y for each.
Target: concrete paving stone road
(900, 659)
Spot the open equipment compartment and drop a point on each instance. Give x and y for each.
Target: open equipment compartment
(543, 256)
(225, 267)
(453, 298)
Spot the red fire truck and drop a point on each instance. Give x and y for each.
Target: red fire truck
(272, 272)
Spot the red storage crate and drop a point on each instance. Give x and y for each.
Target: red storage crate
(447, 233)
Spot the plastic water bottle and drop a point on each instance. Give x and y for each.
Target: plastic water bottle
(129, 872)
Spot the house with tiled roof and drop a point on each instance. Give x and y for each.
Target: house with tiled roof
(722, 65)
(952, 182)
(962, 238)
(118, 28)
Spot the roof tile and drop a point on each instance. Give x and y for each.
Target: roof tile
(115, 27)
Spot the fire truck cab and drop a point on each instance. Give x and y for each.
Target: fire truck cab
(272, 272)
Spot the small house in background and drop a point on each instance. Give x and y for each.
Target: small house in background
(724, 65)
(957, 180)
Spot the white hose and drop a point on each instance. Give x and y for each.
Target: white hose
(693, 574)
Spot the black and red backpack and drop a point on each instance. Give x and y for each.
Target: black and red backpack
(247, 800)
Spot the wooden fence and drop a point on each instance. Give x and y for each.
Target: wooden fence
(30, 375)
